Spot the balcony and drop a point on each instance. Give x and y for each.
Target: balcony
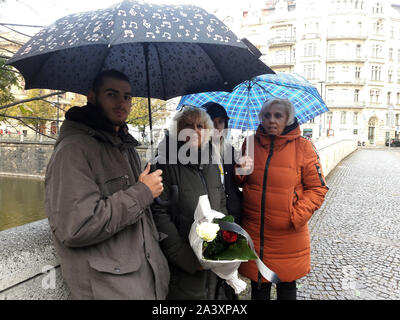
(345, 104)
(281, 42)
(352, 82)
(351, 58)
(281, 63)
(347, 36)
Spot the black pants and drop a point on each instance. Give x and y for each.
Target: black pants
(284, 291)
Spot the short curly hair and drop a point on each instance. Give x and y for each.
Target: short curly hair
(187, 114)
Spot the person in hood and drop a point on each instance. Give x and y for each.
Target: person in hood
(98, 201)
(227, 153)
(186, 160)
(283, 185)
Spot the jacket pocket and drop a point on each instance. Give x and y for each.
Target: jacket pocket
(112, 279)
(114, 267)
(116, 184)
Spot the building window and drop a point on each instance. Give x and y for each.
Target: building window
(389, 97)
(332, 50)
(331, 73)
(355, 118)
(390, 53)
(358, 51)
(398, 98)
(374, 95)
(378, 27)
(343, 117)
(376, 73)
(309, 71)
(358, 73)
(310, 49)
(329, 117)
(377, 8)
(376, 50)
(390, 75)
(356, 95)
(355, 132)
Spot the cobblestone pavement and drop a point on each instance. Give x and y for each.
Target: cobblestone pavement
(355, 236)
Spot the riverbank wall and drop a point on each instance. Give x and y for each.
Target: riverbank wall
(29, 268)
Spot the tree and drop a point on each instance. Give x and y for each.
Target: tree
(8, 79)
(34, 114)
(139, 116)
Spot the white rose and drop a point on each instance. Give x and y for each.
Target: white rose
(207, 231)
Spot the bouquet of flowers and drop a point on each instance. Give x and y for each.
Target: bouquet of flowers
(217, 249)
(221, 244)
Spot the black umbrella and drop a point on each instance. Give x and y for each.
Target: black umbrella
(166, 51)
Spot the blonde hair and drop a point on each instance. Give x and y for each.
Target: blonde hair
(287, 107)
(187, 114)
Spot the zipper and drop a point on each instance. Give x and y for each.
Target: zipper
(263, 199)
(125, 177)
(320, 175)
(297, 196)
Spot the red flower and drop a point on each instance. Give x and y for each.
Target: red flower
(229, 236)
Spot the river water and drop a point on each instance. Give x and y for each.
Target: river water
(21, 201)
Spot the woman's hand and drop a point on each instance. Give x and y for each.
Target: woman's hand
(244, 166)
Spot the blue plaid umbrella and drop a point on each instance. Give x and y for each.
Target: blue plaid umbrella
(244, 102)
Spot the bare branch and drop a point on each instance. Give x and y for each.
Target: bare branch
(28, 118)
(19, 25)
(31, 99)
(12, 41)
(9, 51)
(16, 31)
(27, 125)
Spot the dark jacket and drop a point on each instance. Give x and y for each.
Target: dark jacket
(193, 180)
(104, 234)
(232, 192)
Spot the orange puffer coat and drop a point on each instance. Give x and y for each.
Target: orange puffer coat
(279, 197)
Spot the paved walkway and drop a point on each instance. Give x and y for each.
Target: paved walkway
(355, 236)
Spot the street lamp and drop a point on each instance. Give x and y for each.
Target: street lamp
(322, 127)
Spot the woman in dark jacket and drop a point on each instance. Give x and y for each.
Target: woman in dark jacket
(187, 164)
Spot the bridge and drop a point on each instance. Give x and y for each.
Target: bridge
(355, 243)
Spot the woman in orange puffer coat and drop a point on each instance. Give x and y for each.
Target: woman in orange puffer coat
(282, 187)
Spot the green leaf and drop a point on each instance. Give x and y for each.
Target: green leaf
(238, 250)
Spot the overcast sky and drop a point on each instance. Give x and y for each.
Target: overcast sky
(44, 12)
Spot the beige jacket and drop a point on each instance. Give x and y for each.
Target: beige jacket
(103, 230)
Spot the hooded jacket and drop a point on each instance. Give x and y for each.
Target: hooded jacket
(102, 227)
(232, 192)
(279, 197)
(193, 180)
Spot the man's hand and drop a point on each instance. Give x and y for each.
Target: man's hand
(152, 180)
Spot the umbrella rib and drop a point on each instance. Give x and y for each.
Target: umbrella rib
(161, 71)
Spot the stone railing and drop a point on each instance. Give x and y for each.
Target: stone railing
(28, 264)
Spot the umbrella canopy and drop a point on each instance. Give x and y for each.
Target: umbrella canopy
(165, 50)
(245, 101)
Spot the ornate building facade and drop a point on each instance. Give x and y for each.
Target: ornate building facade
(349, 50)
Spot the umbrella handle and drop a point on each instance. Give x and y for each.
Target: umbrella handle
(173, 200)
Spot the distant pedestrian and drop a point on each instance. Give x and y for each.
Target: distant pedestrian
(97, 201)
(284, 187)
